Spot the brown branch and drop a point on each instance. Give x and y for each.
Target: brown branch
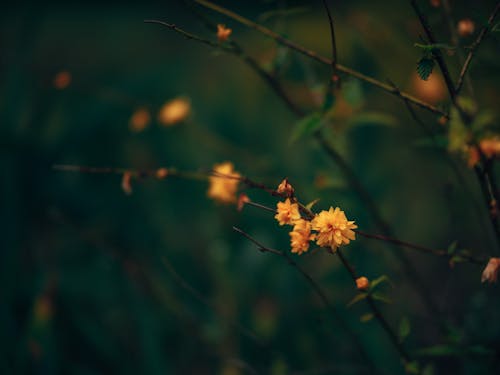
(423, 249)
(474, 48)
(375, 310)
(438, 55)
(317, 289)
(335, 78)
(196, 294)
(313, 55)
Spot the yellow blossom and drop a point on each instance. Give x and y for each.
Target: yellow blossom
(362, 283)
(223, 33)
(224, 183)
(288, 212)
(174, 111)
(300, 236)
(285, 188)
(333, 228)
(490, 272)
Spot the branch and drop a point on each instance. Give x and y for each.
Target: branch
(422, 249)
(317, 289)
(376, 312)
(313, 55)
(438, 55)
(334, 44)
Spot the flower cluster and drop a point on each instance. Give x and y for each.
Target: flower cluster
(332, 227)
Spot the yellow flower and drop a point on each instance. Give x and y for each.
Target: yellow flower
(288, 212)
(362, 283)
(223, 32)
(174, 111)
(224, 183)
(333, 228)
(300, 236)
(490, 272)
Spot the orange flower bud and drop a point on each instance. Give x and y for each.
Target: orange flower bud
(242, 199)
(161, 173)
(490, 272)
(285, 188)
(465, 27)
(62, 80)
(174, 111)
(139, 120)
(223, 33)
(362, 283)
(126, 185)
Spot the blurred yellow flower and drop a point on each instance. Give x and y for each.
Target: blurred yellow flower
(174, 111)
(288, 212)
(362, 283)
(300, 236)
(223, 32)
(490, 272)
(333, 228)
(224, 183)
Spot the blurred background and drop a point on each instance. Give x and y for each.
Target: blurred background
(94, 280)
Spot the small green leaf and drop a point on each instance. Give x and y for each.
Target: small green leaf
(372, 119)
(378, 281)
(425, 67)
(412, 367)
(439, 142)
(404, 328)
(380, 297)
(306, 126)
(310, 205)
(438, 351)
(483, 119)
(452, 248)
(352, 92)
(329, 98)
(457, 134)
(366, 317)
(428, 370)
(358, 297)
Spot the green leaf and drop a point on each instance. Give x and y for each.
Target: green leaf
(439, 142)
(378, 281)
(429, 48)
(452, 248)
(366, 317)
(412, 367)
(306, 126)
(352, 92)
(310, 205)
(380, 297)
(428, 370)
(329, 98)
(372, 119)
(404, 328)
(483, 119)
(425, 67)
(357, 298)
(457, 133)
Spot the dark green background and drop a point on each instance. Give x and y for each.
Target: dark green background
(92, 256)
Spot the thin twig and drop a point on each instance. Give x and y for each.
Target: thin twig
(335, 78)
(376, 312)
(455, 41)
(474, 48)
(196, 294)
(313, 55)
(422, 249)
(438, 56)
(317, 289)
